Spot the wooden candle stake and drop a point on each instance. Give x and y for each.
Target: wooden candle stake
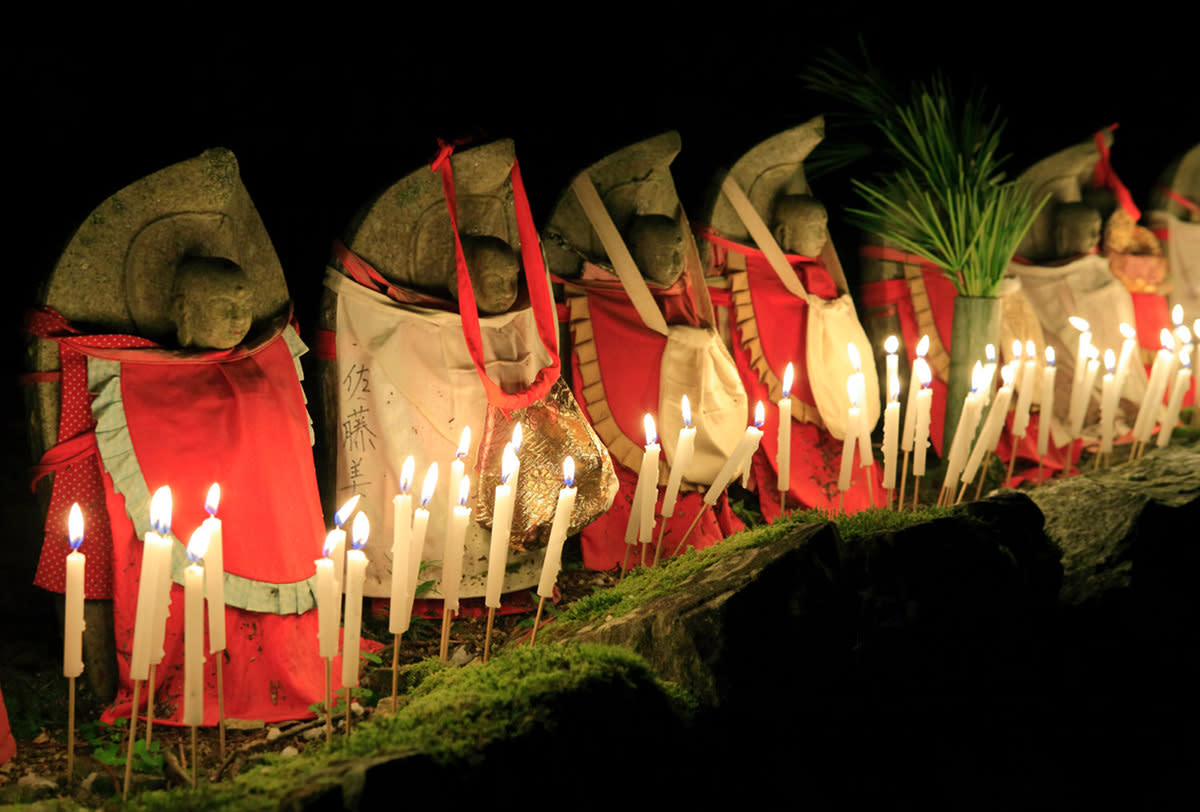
(1012, 458)
(328, 700)
(841, 502)
(347, 711)
(870, 491)
(536, 619)
(150, 708)
(195, 759)
(624, 564)
(782, 503)
(487, 639)
(70, 731)
(916, 490)
(396, 667)
(220, 705)
(903, 482)
(137, 685)
(662, 529)
(982, 472)
(961, 491)
(444, 648)
(691, 527)
(1039, 473)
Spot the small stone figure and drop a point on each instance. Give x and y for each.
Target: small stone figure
(210, 303)
(801, 224)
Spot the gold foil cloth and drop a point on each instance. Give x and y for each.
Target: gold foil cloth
(552, 429)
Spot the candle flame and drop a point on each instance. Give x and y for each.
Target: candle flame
(407, 472)
(1110, 361)
(569, 472)
(1183, 334)
(1167, 341)
(893, 388)
(1031, 350)
(1016, 351)
(651, 432)
(855, 357)
(160, 510)
(924, 373)
(1079, 324)
(345, 510)
(518, 437)
(213, 499)
(1006, 375)
(360, 530)
(1177, 315)
(989, 352)
(978, 377)
(197, 545)
(891, 344)
(1049, 356)
(464, 490)
(1128, 331)
(464, 443)
(685, 406)
(508, 463)
(430, 484)
(923, 346)
(75, 526)
(852, 391)
(760, 415)
(330, 544)
(789, 374)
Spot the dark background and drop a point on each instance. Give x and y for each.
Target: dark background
(322, 119)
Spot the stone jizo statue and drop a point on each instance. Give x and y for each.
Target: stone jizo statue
(211, 303)
(800, 224)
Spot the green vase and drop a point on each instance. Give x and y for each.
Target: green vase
(976, 324)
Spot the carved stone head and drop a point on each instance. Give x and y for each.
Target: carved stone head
(1076, 229)
(800, 224)
(211, 303)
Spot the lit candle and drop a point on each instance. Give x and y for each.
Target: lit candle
(193, 629)
(501, 528)
(891, 431)
(891, 345)
(783, 451)
(356, 574)
(214, 572)
(1108, 402)
(73, 618)
(1025, 393)
(685, 449)
(1182, 381)
(649, 475)
(552, 563)
(908, 434)
(328, 601)
(866, 456)
(402, 521)
(924, 415)
(339, 550)
(160, 519)
(1081, 354)
(1152, 400)
(1127, 348)
(458, 468)
(456, 534)
(1046, 413)
(852, 421)
(989, 435)
(1089, 380)
(989, 373)
(972, 409)
(155, 555)
(416, 547)
(741, 455)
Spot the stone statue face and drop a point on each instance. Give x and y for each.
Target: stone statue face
(211, 303)
(800, 225)
(656, 242)
(1076, 229)
(494, 272)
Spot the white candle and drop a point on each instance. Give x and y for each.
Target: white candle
(1182, 381)
(649, 476)
(1089, 380)
(783, 450)
(890, 345)
(416, 547)
(852, 421)
(552, 563)
(456, 534)
(1081, 354)
(339, 549)
(968, 421)
(685, 449)
(502, 514)
(356, 574)
(1046, 413)
(1108, 402)
(989, 435)
(160, 519)
(924, 415)
(193, 629)
(517, 440)
(328, 601)
(1025, 393)
(1127, 348)
(866, 455)
(73, 618)
(402, 520)
(458, 467)
(989, 373)
(908, 434)
(155, 556)
(1151, 400)
(891, 431)
(214, 572)
(741, 454)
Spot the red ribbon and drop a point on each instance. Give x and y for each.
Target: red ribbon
(1106, 176)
